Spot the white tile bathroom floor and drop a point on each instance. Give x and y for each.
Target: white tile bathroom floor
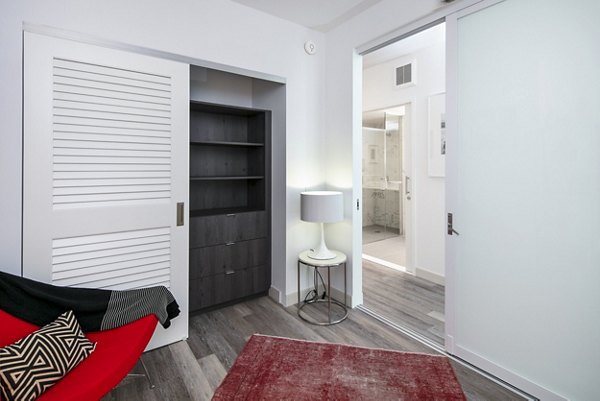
(391, 249)
(376, 233)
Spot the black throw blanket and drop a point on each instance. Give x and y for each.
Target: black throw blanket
(96, 310)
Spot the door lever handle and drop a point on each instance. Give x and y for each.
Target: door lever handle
(451, 230)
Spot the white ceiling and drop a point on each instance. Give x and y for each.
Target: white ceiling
(324, 15)
(411, 44)
(321, 15)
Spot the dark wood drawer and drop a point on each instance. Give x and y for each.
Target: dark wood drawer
(217, 259)
(249, 226)
(208, 230)
(227, 228)
(219, 288)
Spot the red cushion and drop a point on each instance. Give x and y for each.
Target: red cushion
(117, 350)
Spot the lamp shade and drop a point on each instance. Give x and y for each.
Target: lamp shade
(321, 206)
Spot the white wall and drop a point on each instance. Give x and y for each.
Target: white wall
(428, 192)
(344, 105)
(213, 86)
(215, 30)
(10, 139)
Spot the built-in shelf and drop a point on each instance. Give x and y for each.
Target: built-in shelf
(228, 177)
(226, 210)
(230, 204)
(225, 143)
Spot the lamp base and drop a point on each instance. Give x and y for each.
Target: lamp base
(321, 252)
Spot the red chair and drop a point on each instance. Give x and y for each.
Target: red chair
(116, 353)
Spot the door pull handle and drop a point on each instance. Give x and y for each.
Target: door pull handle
(180, 207)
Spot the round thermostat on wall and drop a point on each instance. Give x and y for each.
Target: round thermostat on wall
(310, 47)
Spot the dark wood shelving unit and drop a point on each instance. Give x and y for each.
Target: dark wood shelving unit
(228, 177)
(222, 211)
(230, 183)
(223, 143)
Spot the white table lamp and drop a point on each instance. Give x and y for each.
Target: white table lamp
(321, 207)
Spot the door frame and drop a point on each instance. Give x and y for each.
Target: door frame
(421, 24)
(410, 224)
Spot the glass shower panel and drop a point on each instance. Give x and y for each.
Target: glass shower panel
(382, 175)
(393, 171)
(373, 158)
(374, 208)
(393, 147)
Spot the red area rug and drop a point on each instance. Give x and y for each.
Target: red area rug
(273, 368)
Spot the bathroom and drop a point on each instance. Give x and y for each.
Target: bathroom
(383, 211)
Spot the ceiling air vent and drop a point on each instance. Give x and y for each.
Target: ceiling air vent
(404, 75)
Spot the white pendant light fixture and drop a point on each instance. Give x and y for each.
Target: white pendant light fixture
(321, 207)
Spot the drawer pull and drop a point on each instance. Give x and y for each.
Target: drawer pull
(228, 272)
(230, 214)
(230, 243)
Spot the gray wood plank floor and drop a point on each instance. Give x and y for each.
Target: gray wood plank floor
(405, 299)
(193, 369)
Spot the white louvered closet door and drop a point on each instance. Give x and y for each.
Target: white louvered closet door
(105, 164)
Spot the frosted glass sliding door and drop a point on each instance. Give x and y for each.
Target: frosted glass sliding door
(524, 189)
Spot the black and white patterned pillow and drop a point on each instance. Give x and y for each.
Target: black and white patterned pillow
(36, 362)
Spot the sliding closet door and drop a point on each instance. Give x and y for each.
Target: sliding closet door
(524, 190)
(105, 164)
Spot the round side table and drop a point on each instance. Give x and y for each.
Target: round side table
(338, 260)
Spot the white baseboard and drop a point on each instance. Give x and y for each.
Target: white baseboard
(384, 263)
(430, 276)
(508, 376)
(449, 344)
(275, 295)
(292, 298)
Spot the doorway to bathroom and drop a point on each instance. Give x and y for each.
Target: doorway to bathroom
(403, 184)
(384, 212)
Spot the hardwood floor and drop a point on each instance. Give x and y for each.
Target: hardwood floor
(193, 369)
(405, 299)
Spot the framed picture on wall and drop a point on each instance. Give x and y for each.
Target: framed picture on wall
(436, 138)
